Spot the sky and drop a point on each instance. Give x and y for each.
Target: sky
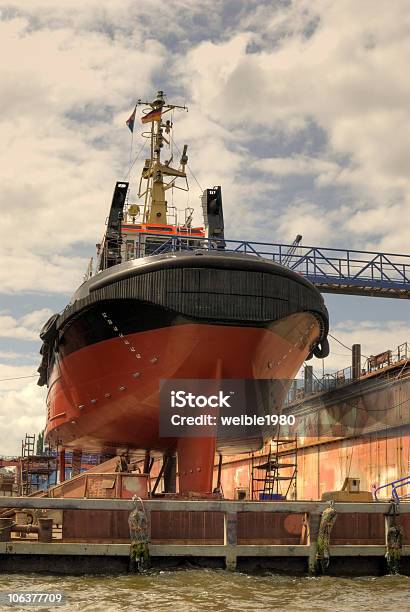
(298, 109)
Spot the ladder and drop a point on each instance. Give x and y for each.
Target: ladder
(273, 477)
(27, 453)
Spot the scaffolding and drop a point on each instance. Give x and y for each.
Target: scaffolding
(33, 470)
(275, 478)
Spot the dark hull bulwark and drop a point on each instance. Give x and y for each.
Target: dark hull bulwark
(179, 316)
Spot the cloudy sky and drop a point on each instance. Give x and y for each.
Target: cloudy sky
(300, 110)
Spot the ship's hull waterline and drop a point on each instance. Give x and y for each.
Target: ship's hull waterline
(182, 318)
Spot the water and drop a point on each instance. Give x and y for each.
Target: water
(214, 591)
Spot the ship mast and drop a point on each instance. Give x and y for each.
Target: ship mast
(154, 170)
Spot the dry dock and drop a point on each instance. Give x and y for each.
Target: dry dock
(92, 535)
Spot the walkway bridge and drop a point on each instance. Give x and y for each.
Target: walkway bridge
(344, 271)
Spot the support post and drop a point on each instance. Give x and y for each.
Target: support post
(45, 529)
(147, 462)
(5, 529)
(76, 463)
(170, 473)
(230, 539)
(308, 379)
(356, 361)
(158, 479)
(61, 465)
(218, 479)
(294, 389)
(312, 531)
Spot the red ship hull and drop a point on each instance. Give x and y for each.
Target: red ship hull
(105, 397)
(179, 316)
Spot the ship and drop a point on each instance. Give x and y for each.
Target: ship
(168, 300)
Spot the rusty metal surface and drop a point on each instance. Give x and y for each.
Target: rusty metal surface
(103, 486)
(199, 527)
(269, 528)
(178, 527)
(70, 488)
(95, 526)
(375, 459)
(358, 529)
(358, 408)
(181, 527)
(404, 521)
(378, 455)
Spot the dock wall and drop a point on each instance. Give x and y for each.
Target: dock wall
(281, 536)
(375, 459)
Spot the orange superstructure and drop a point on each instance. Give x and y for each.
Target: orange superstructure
(168, 230)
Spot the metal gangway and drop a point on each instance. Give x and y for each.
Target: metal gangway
(345, 271)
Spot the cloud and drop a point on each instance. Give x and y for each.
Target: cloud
(9, 355)
(299, 164)
(307, 217)
(278, 94)
(62, 111)
(340, 66)
(41, 273)
(22, 401)
(22, 410)
(373, 336)
(26, 327)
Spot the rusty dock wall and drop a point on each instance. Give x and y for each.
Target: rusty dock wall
(92, 535)
(370, 440)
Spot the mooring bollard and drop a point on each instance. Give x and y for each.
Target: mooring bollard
(5, 529)
(45, 529)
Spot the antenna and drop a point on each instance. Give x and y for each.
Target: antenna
(155, 172)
